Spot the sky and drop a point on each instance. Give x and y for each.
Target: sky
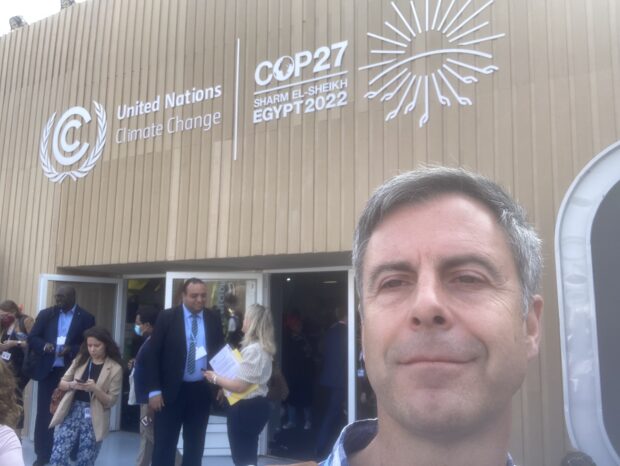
(31, 10)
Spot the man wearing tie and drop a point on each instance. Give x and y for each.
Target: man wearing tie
(184, 339)
(55, 339)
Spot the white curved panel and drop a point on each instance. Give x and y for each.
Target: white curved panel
(583, 406)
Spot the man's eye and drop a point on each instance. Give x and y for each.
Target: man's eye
(393, 283)
(469, 279)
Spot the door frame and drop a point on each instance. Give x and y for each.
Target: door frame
(117, 332)
(351, 318)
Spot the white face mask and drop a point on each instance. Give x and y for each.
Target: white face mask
(138, 330)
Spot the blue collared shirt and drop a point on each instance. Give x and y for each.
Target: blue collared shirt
(201, 341)
(355, 437)
(64, 322)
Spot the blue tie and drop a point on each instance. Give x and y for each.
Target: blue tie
(191, 354)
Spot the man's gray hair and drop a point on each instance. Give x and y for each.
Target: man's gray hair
(423, 184)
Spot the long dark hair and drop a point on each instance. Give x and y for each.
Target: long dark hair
(103, 335)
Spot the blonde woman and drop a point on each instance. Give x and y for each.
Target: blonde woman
(247, 417)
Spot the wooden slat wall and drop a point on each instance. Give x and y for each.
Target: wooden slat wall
(299, 182)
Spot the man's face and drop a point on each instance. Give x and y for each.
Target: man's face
(445, 343)
(65, 298)
(145, 328)
(195, 297)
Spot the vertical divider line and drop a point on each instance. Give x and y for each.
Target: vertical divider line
(236, 110)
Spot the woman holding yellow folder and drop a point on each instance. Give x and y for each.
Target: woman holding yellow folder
(247, 417)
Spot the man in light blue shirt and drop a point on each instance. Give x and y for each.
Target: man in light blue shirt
(65, 317)
(184, 339)
(54, 340)
(447, 269)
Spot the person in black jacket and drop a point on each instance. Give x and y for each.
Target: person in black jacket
(55, 340)
(333, 379)
(184, 339)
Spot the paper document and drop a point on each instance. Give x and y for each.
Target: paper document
(226, 364)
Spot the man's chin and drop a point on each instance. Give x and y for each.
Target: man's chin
(434, 417)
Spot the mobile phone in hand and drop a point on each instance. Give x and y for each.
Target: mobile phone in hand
(80, 380)
(146, 421)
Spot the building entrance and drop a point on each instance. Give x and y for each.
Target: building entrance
(310, 311)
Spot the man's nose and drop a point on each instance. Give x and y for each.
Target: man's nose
(428, 303)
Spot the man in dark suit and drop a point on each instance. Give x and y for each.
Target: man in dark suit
(184, 339)
(333, 379)
(55, 338)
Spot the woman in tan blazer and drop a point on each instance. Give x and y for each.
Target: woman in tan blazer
(92, 385)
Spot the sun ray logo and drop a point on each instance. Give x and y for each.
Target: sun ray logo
(427, 52)
(60, 146)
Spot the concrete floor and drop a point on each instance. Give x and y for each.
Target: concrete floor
(120, 449)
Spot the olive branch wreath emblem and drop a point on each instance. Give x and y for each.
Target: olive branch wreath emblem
(56, 176)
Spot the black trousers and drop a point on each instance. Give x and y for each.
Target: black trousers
(191, 411)
(331, 422)
(43, 435)
(245, 422)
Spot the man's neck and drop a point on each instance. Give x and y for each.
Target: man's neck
(192, 311)
(394, 447)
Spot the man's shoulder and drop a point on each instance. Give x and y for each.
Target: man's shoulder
(212, 312)
(353, 438)
(79, 310)
(45, 315)
(46, 312)
(168, 316)
(171, 312)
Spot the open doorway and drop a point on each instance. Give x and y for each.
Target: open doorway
(310, 319)
(147, 291)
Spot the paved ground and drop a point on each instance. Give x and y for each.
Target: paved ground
(120, 449)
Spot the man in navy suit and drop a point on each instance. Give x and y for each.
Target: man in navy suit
(55, 338)
(184, 340)
(333, 379)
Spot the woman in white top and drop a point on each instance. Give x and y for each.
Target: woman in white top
(247, 417)
(10, 446)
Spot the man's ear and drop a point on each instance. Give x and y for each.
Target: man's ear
(532, 326)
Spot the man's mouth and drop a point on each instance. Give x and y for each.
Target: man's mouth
(434, 359)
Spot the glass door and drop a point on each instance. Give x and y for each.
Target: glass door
(246, 288)
(102, 297)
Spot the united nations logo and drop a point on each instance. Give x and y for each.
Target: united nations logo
(427, 52)
(66, 153)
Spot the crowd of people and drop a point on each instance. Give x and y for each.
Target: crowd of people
(79, 371)
(448, 273)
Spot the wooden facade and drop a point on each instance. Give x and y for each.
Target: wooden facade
(299, 182)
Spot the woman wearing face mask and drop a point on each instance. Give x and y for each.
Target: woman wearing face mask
(145, 323)
(93, 383)
(15, 328)
(247, 417)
